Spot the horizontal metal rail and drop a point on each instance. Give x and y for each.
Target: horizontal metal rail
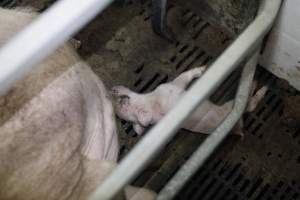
(159, 135)
(212, 142)
(43, 36)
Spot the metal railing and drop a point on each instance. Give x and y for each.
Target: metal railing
(43, 36)
(211, 143)
(66, 17)
(159, 135)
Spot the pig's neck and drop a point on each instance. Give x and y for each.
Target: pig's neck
(149, 103)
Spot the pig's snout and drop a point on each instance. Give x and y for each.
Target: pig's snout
(120, 90)
(123, 102)
(120, 95)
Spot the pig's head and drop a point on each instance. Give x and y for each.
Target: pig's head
(131, 106)
(122, 101)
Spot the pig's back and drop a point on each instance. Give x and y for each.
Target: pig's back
(45, 132)
(12, 21)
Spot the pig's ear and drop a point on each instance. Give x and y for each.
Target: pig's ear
(144, 117)
(124, 100)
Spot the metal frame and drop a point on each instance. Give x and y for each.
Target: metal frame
(158, 136)
(20, 55)
(159, 20)
(43, 36)
(211, 143)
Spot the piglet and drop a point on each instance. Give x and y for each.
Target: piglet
(146, 109)
(58, 135)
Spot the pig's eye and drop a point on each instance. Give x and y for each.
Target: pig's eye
(114, 91)
(124, 99)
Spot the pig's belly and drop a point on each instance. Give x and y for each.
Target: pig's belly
(74, 107)
(100, 134)
(43, 147)
(204, 120)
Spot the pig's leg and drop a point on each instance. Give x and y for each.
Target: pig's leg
(95, 172)
(138, 128)
(254, 101)
(134, 193)
(208, 116)
(238, 129)
(184, 79)
(226, 108)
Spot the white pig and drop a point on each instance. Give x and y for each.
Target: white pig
(58, 136)
(146, 109)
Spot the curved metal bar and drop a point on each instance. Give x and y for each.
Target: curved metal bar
(213, 141)
(159, 135)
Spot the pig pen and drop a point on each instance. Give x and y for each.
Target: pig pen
(122, 49)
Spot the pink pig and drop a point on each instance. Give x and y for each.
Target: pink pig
(58, 135)
(146, 109)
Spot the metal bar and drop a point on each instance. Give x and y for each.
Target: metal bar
(159, 19)
(158, 136)
(159, 8)
(209, 145)
(43, 36)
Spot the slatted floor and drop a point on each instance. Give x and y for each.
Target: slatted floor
(265, 165)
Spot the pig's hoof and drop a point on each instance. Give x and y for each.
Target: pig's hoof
(204, 67)
(202, 70)
(138, 129)
(241, 135)
(76, 43)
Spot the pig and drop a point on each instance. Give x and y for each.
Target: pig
(58, 135)
(146, 109)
